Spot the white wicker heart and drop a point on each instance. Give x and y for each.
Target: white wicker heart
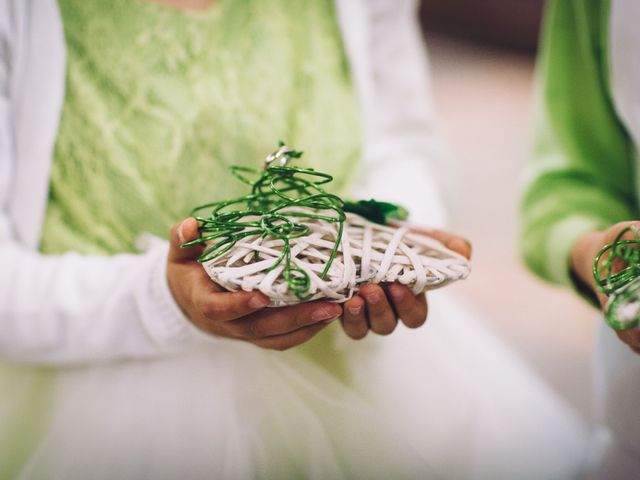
(367, 253)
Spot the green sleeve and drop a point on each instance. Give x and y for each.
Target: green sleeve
(581, 175)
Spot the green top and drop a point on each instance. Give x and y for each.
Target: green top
(159, 102)
(580, 178)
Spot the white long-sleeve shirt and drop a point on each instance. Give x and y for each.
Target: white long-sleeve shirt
(69, 308)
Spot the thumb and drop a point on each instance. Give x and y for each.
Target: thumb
(181, 233)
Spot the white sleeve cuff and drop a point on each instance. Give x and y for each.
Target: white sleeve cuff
(162, 318)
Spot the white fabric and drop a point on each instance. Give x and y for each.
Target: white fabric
(447, 401)
(390, 67)
(444, 402)
(617, 397)
(618, 385)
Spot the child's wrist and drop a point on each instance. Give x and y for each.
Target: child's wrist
(581, 260)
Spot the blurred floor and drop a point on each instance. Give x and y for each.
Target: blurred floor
(484, 100)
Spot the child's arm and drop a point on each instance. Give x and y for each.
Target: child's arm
(403, 149)
(581, 177)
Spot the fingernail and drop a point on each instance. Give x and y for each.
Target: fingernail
(180, 233)
(355, 310)
(258, 301)
(325, 314)
(397, 293)
(374, 298)
(458, 245)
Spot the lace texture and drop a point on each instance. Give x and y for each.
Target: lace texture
(160, 102)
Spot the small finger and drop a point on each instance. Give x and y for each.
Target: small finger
(452, 242)
(381, 317)
(291, 339)
(354, 320)
(631, 337)
(181, 233)
(461, 246)
(227, 306)
(280, 321)
(611, 233)
(412, 309)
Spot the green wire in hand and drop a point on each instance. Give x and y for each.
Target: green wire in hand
(281, 201)
(616, 270)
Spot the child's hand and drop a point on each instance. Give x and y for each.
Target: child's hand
(378, 308)
(237, 315)
(582, 258)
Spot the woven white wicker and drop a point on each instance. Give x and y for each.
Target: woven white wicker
(368, 253)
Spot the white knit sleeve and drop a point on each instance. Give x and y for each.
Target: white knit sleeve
(401, 142)
(74, 308)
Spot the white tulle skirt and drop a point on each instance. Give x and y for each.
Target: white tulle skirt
(445, 401)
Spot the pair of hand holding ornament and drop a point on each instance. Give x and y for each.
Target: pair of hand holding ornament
(619, 248)
(244, 315)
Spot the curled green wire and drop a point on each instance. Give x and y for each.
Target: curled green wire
(283, 199)
(616, 270)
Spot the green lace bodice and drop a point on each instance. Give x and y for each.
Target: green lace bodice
(161, 101)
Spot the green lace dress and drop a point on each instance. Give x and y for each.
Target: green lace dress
(160, 102)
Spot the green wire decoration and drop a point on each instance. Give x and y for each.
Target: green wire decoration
(616, 270)
(281, 200)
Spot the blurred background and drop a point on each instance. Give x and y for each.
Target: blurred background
(482, 63)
